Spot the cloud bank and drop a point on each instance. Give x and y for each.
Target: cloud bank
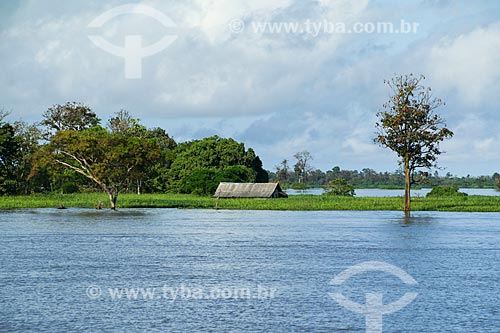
(279, 92)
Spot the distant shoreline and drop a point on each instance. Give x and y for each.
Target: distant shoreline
(293, 203)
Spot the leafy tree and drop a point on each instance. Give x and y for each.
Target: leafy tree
(252, 161)
(107, 159)
(213, 153)
(445, 191)
(157, 176)
(29, 137)
(496, 179)
(299, 186)
(302, 168)
(200, 181)
(205, 181)
(340, 187)
(123, 123)
(282, 171)
(408, 126)
(235, 174)
(9, 154)
(72, 116)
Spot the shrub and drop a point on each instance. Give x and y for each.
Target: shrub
(298, 186)
(445, 191)
(69, 187)
(340, 187)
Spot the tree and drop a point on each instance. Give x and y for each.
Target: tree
(496, 178)
(107, 159)
(213, 153)
(9, 154)
(409, 126)
(445, 191)
(252, 161)
(205, 181)
(123, 123)
(72, 116)
(157, 176)
(302, 168)
(340, 187)
(29, 137)
(282, 171)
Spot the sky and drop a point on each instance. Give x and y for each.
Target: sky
(280, 92)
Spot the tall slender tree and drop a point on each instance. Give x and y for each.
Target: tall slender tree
(302, 168)
(409, 126)
(282, 171)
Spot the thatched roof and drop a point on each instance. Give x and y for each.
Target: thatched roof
(249, 190)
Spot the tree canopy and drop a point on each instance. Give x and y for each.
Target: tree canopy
(71, 116)
(214, 159)
(110, 160)
(409, 126)
(69, 152)
(9, 154)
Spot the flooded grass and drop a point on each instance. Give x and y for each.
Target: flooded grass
(298, 202)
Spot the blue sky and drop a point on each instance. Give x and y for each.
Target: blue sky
(279, 93)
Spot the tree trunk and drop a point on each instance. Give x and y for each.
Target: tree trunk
(407, 188)
(139, 186)
(112, 199)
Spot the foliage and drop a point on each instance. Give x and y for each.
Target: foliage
(9, 155)
(110, 160)
(27, 163)
(29, 137)
(496, 179)
(409, 127)
(69, 187)
(340, 187)
(408, 124)
(369, 178)
(71, 116)
(293, 203)
(299, 186)
(282, 172)
(200, 181)
(80, 155)
(445, 191)
(302, 167)
(212, 159)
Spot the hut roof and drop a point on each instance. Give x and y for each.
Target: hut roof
(248, 190)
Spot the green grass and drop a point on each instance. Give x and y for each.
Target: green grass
(299, 202)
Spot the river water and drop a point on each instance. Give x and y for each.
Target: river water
(377, 193)
(168, 270)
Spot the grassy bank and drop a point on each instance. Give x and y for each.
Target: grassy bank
(301, 202)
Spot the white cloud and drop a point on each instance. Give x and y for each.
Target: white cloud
(468, 63)
(280, 93)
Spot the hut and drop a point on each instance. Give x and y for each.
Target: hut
(250, 190)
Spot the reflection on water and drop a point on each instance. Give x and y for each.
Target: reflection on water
(52, 259)
(421, 218)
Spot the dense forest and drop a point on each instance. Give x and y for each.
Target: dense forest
(71, 150)
(299, 173)
(368, 178)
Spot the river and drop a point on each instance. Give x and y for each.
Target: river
(374, 192)
(168, 270)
